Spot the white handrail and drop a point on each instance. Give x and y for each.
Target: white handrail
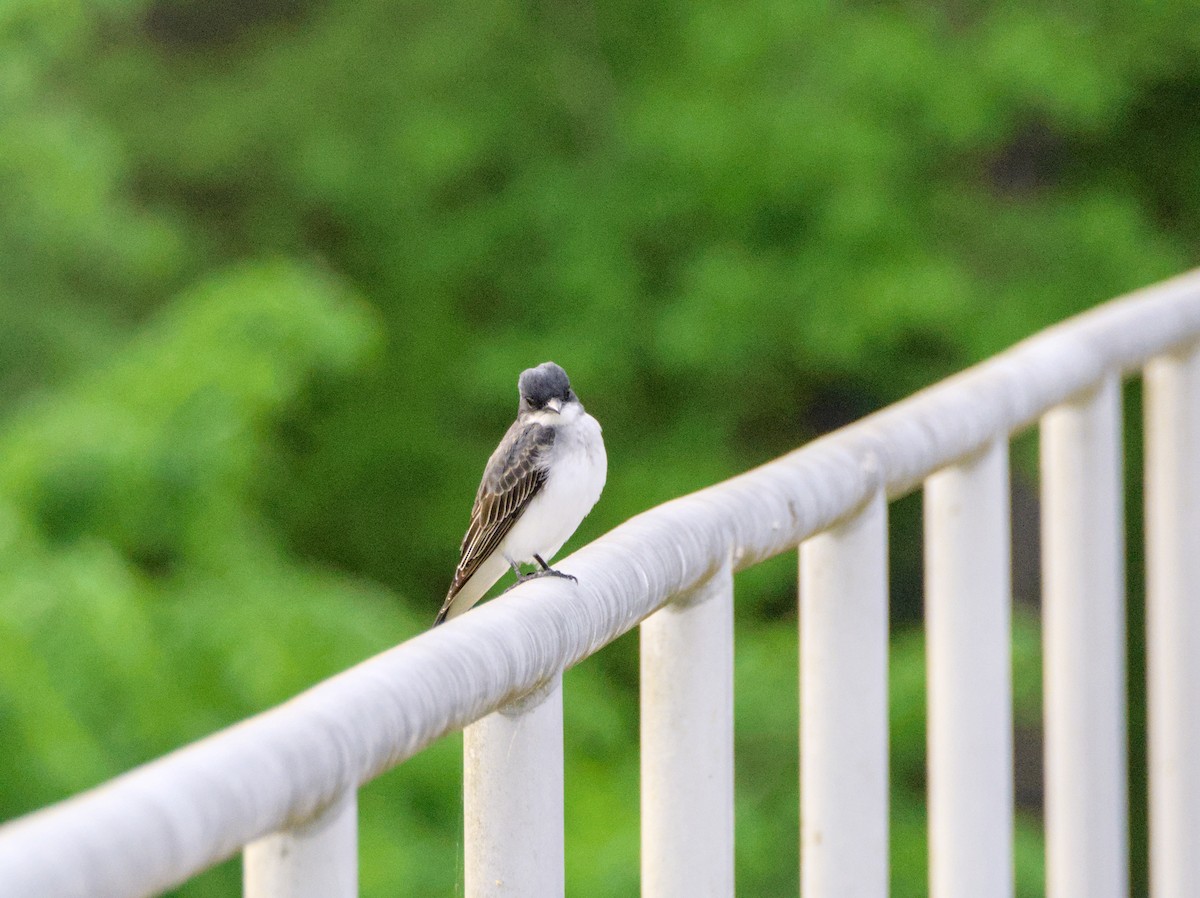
(687, 744)
(1083, 633)
(968, 637)
(156, 826)
(844, 707)
(513, 798)
(1173, 620)
(317, 859)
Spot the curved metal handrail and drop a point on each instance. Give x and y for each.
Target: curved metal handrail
(172, 818)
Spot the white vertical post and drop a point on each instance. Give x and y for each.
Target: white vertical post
(317, 859)
(967, 623)
(1173, 621)
(687, 744)
(843, 708)
(513, 799)
(1084, 644)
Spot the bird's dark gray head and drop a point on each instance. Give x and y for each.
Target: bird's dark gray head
(545, 387)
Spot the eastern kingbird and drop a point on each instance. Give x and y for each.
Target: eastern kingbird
(539, 484)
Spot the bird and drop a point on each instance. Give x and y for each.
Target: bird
(538, 486)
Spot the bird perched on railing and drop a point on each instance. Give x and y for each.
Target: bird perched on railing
(538, 486)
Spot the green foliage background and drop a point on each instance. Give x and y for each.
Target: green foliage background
(269, 269)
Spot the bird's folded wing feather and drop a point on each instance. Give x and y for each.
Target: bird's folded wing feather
(514, 474)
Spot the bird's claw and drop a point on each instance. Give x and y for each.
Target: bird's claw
(551, 572)
(545, 572)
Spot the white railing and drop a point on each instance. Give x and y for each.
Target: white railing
(283, 784)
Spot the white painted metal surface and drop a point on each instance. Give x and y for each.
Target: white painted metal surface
(158, 825)
(1083, 619)
(843, 708)
(317, 859)
(687, 744)
(967, 639)
(513, 799)
(1173, 620)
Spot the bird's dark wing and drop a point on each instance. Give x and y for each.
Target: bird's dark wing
(514, 474)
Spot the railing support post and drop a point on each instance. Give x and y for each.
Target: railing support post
(843, 708)
(1083, 614)
(1173, 620)
(317, 859)
(687, 744)
(968, 630)
(513, 799)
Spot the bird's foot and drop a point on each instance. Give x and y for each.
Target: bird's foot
(551, 572)
(519, 574)
(546, 571)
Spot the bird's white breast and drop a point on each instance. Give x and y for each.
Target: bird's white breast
(578, 467)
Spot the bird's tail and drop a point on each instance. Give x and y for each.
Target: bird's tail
(462, 597)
